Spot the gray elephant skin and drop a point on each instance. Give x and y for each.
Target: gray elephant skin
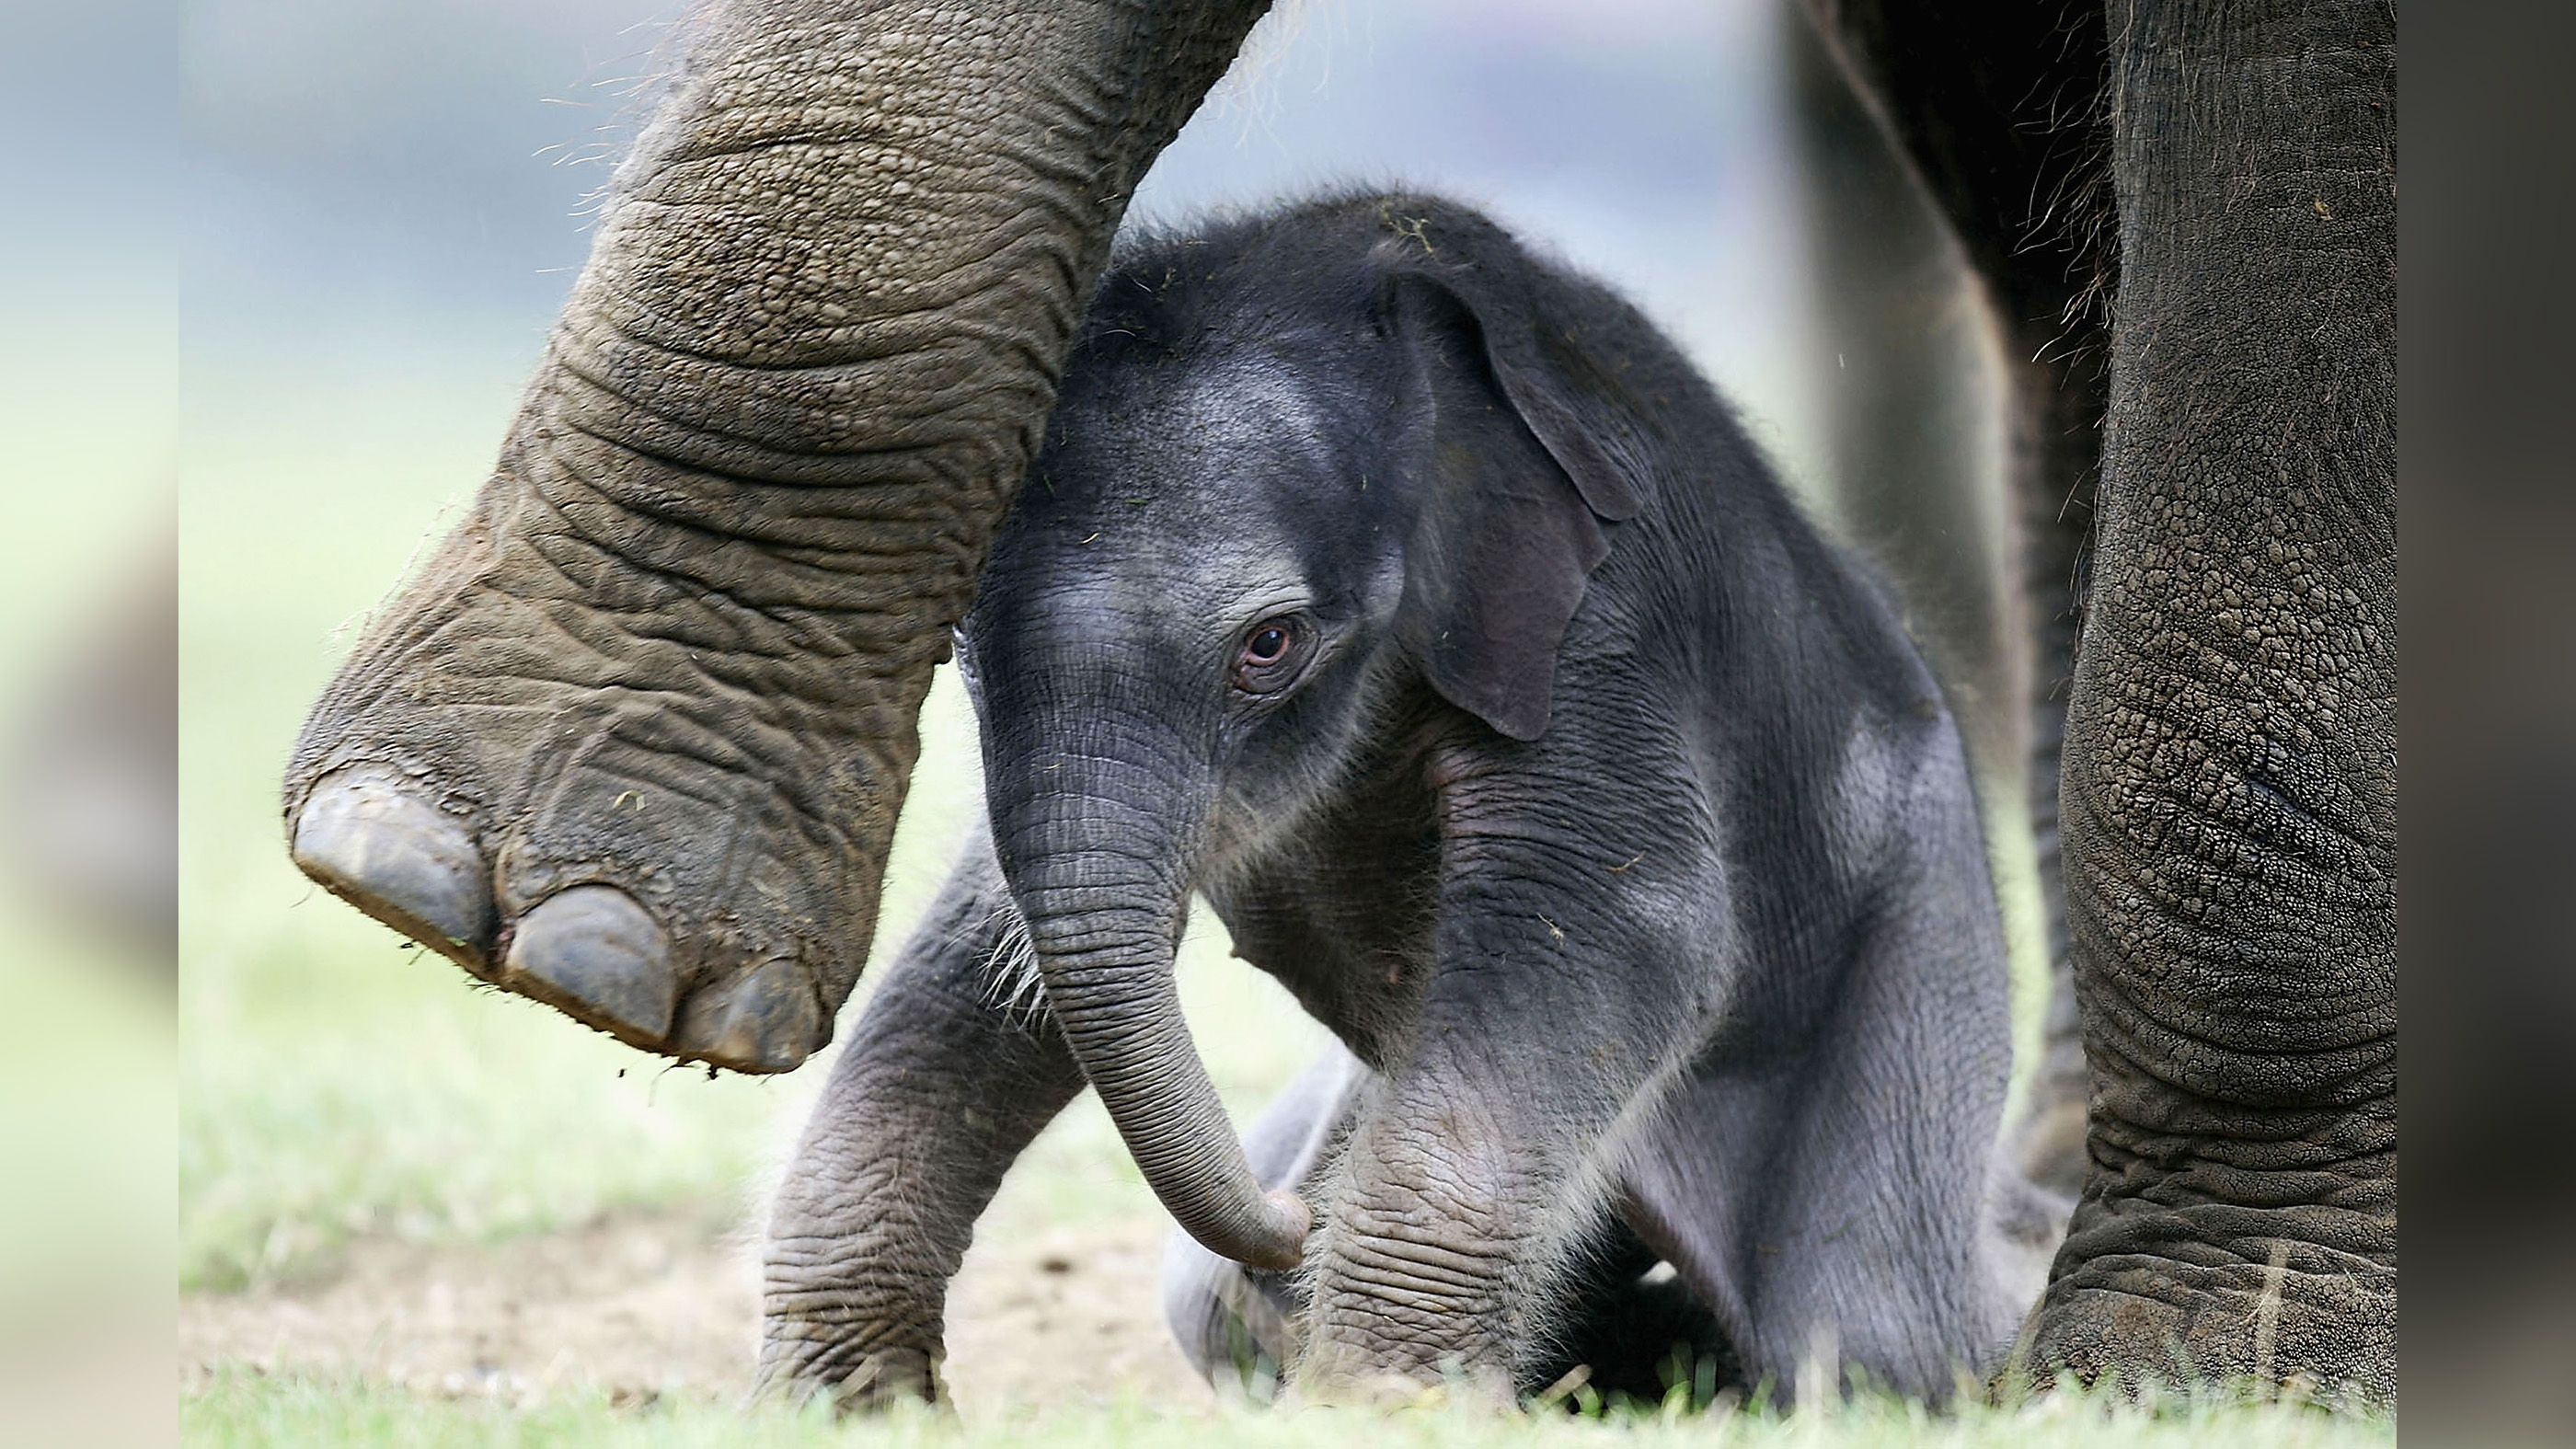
(633, 739)
(1422, 607)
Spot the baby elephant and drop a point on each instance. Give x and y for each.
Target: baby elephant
(1417, 603)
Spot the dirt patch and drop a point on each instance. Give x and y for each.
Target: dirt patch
(643, 1308)
(1066, 1314)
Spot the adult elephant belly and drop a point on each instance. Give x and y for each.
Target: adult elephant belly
(633, 741)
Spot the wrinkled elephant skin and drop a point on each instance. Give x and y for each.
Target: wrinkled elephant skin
(633, 740)
(2188, 222)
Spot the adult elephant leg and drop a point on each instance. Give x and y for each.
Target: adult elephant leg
(2230, 781)
(944, 1084)
(633, 740)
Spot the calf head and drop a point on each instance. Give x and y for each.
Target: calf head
(1293, 467)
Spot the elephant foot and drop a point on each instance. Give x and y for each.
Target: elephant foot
(860, 1359)
(2290, 1311)
(630, 768)
(871, 1383)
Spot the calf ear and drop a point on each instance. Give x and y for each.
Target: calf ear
(1514, 484)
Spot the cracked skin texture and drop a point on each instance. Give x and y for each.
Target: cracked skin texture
(2228, 778)
(675, 651)
(2230, 787)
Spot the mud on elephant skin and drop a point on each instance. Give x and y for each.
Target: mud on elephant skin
(1417, 603)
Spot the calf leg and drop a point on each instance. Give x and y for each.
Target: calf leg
(1622, 1323)
(1837, 1209)
(939, 1090)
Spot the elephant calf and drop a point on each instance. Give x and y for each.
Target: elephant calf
(1417, 603)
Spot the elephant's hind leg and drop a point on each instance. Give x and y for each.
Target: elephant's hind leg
(1834, 1211)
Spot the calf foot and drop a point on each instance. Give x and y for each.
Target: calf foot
(853, 1383)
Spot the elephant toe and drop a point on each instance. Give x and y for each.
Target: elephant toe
(594, 952)
(591, 950)
(401, 860)
(768, 1021)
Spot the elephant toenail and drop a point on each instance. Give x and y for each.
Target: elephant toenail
(595, 952)
(766, 1022)
(401, 860)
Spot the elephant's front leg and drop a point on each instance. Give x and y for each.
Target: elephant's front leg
(939, 1090)
(1448, 1253)
(1420, 1271)
(1474, 1176)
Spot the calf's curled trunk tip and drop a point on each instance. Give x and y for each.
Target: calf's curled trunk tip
(1121, 1014)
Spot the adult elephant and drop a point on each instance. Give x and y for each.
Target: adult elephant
(634, 740)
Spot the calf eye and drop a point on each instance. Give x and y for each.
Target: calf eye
(1274, 651)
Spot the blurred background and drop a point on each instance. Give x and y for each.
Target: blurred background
(338, 231)
(88, 394)
(292, 261)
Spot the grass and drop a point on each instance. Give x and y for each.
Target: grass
(252, 1410)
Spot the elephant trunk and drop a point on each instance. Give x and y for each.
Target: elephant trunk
(1099, 879)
